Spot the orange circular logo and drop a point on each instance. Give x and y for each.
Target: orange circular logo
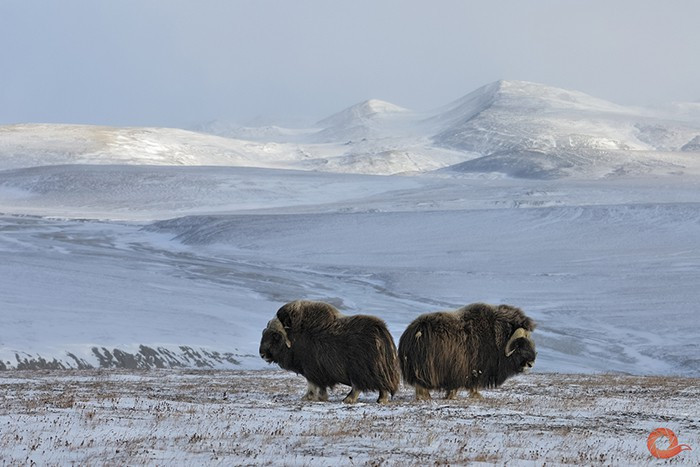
(673, 447)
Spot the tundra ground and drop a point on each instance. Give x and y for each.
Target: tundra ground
(177, 417)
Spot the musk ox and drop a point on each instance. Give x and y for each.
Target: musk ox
(476, 346)
(318, 342)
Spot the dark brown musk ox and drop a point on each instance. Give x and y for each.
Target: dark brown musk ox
(476, 346)
(318, 342)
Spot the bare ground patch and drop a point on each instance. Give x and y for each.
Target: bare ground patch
(180, 417)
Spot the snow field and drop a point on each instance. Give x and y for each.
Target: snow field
(256, 418)
(608, 269)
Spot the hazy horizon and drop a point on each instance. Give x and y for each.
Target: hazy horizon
(178, 63)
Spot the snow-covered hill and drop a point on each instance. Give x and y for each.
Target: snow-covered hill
(530, 130)
(514, 128)
(265, 133)
(367, 120)
(30, 145)
(136, 192)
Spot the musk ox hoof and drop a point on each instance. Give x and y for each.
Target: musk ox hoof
(315, 393)
(314, 398)
(422, 394)
(352, 397)
(474, 394)
(451, 394)
(383, 397)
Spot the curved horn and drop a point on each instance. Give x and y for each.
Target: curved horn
(276, 325)
(520, 332)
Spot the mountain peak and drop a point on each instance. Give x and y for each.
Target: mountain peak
(523, 97)
(542, 96)
(380, 106)
(367, 110)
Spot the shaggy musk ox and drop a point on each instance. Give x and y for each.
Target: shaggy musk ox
(316, 341)
(476, 346)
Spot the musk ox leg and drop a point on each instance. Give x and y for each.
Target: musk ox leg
(422, 394)
(322, 395)
(352, 396)
(383, 397)
(474, 394)
(451, 394)
(310, 391)
(315, 393)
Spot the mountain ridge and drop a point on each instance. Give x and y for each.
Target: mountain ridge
(542, 130)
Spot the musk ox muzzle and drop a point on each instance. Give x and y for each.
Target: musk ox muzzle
(274, 335)
(526, 347)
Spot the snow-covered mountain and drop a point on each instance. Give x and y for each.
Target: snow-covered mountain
(367, 120)
(530, 130)
(512, 115)
(514, 128)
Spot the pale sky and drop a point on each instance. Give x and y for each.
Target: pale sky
(179, 63)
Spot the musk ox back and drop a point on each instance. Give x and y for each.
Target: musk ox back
(318, 342)
(476, 346)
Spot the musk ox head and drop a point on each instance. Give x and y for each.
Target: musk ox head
(520, 350)
(275, 343)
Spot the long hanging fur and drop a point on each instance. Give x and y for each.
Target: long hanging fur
(328, 347)
(464, 348)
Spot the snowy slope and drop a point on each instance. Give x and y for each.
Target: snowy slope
(607, 268)
(264, 133)
(521, 115)
(511, 128)
(535, 131)
(31, 145)
(583, 297)
(370, 119)
(137, 192)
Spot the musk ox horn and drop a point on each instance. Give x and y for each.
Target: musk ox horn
(520, 332)
(276, 325)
